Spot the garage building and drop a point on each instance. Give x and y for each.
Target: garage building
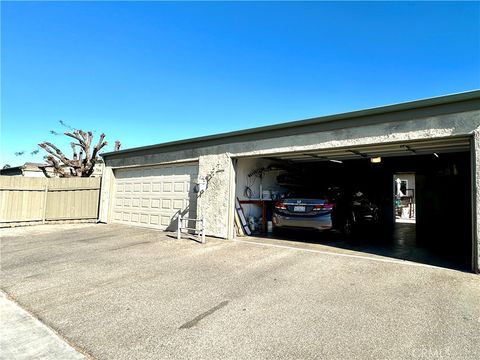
(437, 141)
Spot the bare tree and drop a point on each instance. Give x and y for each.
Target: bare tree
(83, 162)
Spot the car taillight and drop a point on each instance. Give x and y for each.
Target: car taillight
(280, 205)
(326, 206)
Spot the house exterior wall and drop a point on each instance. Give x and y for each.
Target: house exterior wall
(216, 204)
(33, 173)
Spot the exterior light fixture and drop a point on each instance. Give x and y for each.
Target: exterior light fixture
(376, 160)
(336, 161)
(436, 155)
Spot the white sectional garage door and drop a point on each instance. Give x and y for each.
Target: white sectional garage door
(152, 196)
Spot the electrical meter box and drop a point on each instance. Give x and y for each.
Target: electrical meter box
(201, 184)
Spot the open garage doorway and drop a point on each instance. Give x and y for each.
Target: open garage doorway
(434, 214)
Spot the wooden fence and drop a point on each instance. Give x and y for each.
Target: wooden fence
(40, 200)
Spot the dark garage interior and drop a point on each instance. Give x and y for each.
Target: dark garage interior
(441, 233)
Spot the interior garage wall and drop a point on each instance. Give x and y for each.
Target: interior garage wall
(245, 166)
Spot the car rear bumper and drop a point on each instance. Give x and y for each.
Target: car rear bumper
(322, 222)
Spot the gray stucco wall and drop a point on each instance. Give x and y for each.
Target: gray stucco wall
(214, 203)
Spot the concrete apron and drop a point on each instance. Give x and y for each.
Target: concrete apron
(25, 337)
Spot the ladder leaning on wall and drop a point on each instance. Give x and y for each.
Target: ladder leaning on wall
(181, 227)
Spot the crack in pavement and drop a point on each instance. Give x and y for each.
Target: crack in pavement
(197, 319)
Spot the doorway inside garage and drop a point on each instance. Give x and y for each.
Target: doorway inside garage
(425, 219)
(404, 197)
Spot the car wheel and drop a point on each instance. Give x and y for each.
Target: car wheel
(277, 231)
(347, 226)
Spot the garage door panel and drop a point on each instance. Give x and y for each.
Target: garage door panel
(144, 218)
(178, 204)
(166, 204)
(153, 196)
(154, 219)
(178, 187)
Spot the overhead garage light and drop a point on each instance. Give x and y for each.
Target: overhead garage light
(436, 155)
(376, 160)
(336, 161)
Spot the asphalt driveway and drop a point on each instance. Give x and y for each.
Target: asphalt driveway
(119, 292)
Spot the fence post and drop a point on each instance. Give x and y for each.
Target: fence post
(179, 226)
(203, 229)
(45, 203)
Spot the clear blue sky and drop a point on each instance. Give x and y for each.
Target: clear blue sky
(151, 72)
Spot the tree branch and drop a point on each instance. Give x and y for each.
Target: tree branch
(75, 156)
(76, 136)
(99, 146)
(53, 150)
(84, 158)
(57, 166)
